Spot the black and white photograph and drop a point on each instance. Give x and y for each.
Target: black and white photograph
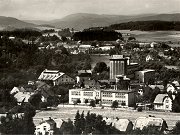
(89, 67)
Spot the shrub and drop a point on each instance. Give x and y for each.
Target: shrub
(139, 109)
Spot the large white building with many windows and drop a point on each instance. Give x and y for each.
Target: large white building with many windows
(106, 97)
(83, 94)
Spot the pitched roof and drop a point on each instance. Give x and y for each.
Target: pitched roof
(120, 124)
(142, 122)
(20, 96)
(160, 98)
(50, 75)
(161, 87)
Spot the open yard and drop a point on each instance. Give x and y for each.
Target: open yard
(69, 112)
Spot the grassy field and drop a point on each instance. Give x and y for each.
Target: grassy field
(70, 111)
(150, 36)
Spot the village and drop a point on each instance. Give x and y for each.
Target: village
(127, 88)
(128, 84)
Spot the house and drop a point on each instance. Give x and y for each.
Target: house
(159, 86)
(145, 76)
(44, 89)
(17, 89)
(105, 48)
(142, 122)
(91, 84)
(83, 75)
(84, 48)
(55, 77)
(144, 45)
(173, 87)
(124, 125)
(149, 58)
(46, 127)
(163, 102)
(154, 44)
(23, 97)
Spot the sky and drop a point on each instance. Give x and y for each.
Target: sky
(56, 9)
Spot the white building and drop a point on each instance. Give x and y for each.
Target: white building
(83, 94)
(149, 58)
(121, 96)
(84, 48)
(173, 87)
(56, 77)
(105, 96)
(46, 127)
(163, 102)
(105, 48)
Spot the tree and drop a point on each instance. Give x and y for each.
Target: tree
(176, 128)
(35, 100)
(123, 103)
(43, 105)
(100, 67)
(77, 123)
(114, 104)
(29, 113)
(82, 121)
(86, 101)
(176, 103)
(139, 109)
(92, 103)
(78, 101)
(67, 127)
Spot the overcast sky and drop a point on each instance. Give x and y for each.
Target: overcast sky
(56, 9)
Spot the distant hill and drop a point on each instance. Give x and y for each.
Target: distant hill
(12, 23)
(83, 20)
(152, 25)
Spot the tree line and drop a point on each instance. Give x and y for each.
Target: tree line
(146, 25)
(99, 35)
(21, 33)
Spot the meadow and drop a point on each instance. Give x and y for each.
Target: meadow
(69, 111)
(150, 36)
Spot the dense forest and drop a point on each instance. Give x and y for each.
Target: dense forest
(21, 33)
(100, 35)
(146, 26)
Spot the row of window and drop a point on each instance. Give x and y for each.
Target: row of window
(97, 94)
(107, 94)
(74, 99)
(88, 93)
(75, 93)
(106, 101)
(120, 95)
(121, 101)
